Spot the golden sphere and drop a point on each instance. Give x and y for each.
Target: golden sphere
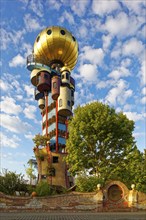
(56, 45)
(33, 194)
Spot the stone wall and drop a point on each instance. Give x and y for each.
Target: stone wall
(104, 199)
(69, 202)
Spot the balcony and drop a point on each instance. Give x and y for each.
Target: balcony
(34, 62)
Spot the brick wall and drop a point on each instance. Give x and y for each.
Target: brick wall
(68, 202)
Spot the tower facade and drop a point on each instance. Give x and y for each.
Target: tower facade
(54, 55)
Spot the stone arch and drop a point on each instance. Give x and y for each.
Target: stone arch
(115, 194)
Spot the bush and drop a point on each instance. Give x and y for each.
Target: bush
(87, 183)
(30, 189)
(11, 182)
(43, 189)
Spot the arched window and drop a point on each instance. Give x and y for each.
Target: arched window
(60, 102)
(54, 85)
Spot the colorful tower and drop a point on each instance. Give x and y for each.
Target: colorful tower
(54, 55)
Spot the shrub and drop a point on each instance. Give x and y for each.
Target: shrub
(43, 189)
(11, 182)
(87, 183)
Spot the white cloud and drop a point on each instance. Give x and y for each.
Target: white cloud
(29, 111)
(14, 124)
(67, 17)
(26, 49)
(83, 31)
(142, 73)
(126, 62)
(32, 24)
(18, 36)
(9, 141)
(17, 61)
(93, 55)
(37, 7)
(88, 72)
(143, 100)
(135, 6)
(139, 134)
(133, 47)
(134, 116)
(144, 91)
(81, 96)
(107, 40)
(141, 33)
(101, 84)
(79, 7)
(7, 37)
(29, 90)
(122, 25)
(106, 83)
(119, 72)
(127, 107)
(104, 7)
(9, 106)
(3, 85)
(19, 97)
(10, 84)
(53, 4)
(29, 136)
(117, 50)
(119, 94)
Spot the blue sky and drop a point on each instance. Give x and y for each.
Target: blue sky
(110, 68)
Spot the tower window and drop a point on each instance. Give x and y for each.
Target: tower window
(43, 177)
(72, 93)
(62, 32)
(55, 159)
(49, 32)
(38, 38)
(67, 76)
(54, 85)
(68, 102)
(60, 102)
(46, 76)
(62, 76)
(73, 38)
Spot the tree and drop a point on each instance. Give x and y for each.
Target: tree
(40, 140)
(86, 183)
(30, 170)
(11, 182)
(99, 140)
(43, 189)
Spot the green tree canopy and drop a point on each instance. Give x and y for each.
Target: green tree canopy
(40, 140)
(30, 170)
(99, 140)
(11, 182)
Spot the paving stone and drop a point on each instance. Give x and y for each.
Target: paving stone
(73, 216)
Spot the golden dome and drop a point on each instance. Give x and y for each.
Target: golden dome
(56, 44)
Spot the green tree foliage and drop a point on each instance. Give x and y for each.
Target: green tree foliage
(11, 182)
(30, 170)
(101, 143)
(40, 140)
(98, 139)
(43, 189)
(86, 183)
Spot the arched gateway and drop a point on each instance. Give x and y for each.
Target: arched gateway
(115, 195)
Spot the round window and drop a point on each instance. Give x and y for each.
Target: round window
(38, 38)
(115, 193)
(49, 32)
(62, 32)
(74, 39)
